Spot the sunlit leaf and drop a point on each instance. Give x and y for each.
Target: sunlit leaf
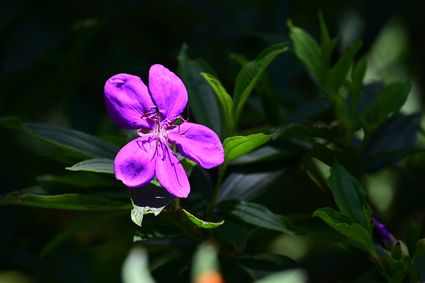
(237, 146)
(201, 223)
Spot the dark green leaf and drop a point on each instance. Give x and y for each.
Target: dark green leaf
(419, 261)
(69, 201)
(237, 146)
(261, 216)
(73, 140)
(97, 165)
(349, 196)
(345, 226)
(83, 180)
(401, 131)
(234, 234)
(389, 101)
(203, 102)
(339, 71)
(225, 101)
(201, 223)
(242, 186)
(306, 49)
(250, 74)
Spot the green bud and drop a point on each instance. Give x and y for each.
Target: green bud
(399, 250)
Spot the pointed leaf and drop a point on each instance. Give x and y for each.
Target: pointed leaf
(71, 201)
(261, 216)
(241, 186)
(237, 146)
(202, 100)
(345, 226)
(349, 196)
(306, 49)
(250, 74)
(389, 101)
(225, 101)
(201, 223)
(97, 165)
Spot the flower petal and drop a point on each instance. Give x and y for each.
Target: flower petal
(170, 172)
(168, 92)
(198, 143)
(134, 164)
(127, 99)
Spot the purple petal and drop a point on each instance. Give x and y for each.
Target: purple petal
(168, 91)
(134, 164)
(127, 99)
(198, 143)
(170, 172)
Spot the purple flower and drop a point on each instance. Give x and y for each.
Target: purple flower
(382, 233)
(153, 112)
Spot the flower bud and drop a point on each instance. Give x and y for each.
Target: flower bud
(399, 250)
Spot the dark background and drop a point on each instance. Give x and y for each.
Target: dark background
(56, 55)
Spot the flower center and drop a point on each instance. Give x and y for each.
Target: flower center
(159, 127)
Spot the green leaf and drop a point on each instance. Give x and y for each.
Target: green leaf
(289, 276)
(307, 50)
(250, 74)
(97, 165)
(69, 201)
(136, 268)
(225, 101)
(11, 122)
(202, 100)
(261, 216)
(419, 261)
(82, 180)
(205, 263)
(389, 101)
(356, 85)
(201, 223)
(327, 45)
(138, 212)
(346, 227)
(237, 146)
(339, 71)
(349, 196)
(241, 186)
(234, 234)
